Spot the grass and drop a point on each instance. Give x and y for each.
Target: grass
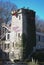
(33, 63)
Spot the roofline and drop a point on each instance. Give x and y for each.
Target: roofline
(40, 33)
(15, 11)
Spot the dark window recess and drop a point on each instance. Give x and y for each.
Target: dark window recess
(0, 45)
(18, 34)
(7, 56)
(19, 17)
(5, 46)
(39, 38)
(43, 39)
(8, 46)
(0, 31)
(8, 36)
(3, 30)
(13, 44)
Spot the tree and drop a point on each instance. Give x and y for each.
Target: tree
(5, 10)
(39, 24)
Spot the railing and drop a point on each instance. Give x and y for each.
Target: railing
(4, 34)
(5, 26)
(40, 45)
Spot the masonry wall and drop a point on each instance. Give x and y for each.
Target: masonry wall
(23, 25)
(29, 36)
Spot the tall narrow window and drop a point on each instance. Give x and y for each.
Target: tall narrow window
(7, 56)
(3, 30)
(8, 45)
(18, 34)
(8, 36)
(39, 38)
(13, 44)
(19, 17)
(4, 46)
(0, 45)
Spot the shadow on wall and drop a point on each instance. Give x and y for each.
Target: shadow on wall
(3, 56)
(29, 38)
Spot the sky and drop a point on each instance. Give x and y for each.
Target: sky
(36, 5)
